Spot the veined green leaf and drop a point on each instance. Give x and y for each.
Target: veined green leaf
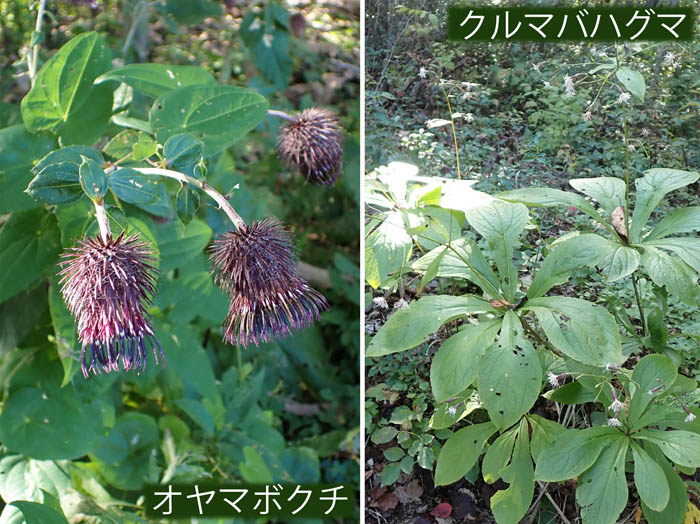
(650, 372)
(632, 80)
(461, 451)
(608, 191)
(455, 364)
(683, 220)
(649, 479)
(666, 270)
(408, 327)
(687, 248)
(157, 79)
(651, 189)
(681, 447)
(619, 262)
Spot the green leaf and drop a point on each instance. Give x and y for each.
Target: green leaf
(157, 79)
(683, 220)
(669, 271)
(573, 452)
(501, 224)
(71, 154)
(57, 184)
(387, 249)
(65, 332)
(125, 456)
(18, 149)
(87, 125)
(681, 447)
(178, 245)
(602, 490)
(144, 148)
(678, 499)
(17, 317)
(498, 455)
(544, 196)
(92, 179)
(572, 393)
(608, 191)
(29, 245)
(426, 457)
(65, 81)
(650, 480)
(268, 39)
(651, 189)
(544, 433)
(46, 424)
(408, 327)
(187, 204)
(462, 259)
(198, 413)
(133, 187)
(509, 377)
(510, 505)
(216, 115)
(687, 248)
(394, 454)
(183, 152)
(650, 372)
(632, 80)
(454, 366)
(384, 435)
(121, 144)
(461, 451)
(430, 272)
(390, 474)
(567, 323)
(35, 513)
(619, 262)
(575, 252)
(254, 468)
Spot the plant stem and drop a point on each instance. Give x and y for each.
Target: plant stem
(536, 335)
(638, 297)
(102, 220)
(200, 184)
(454, 134)
(281, 114)
(35, 47)
(139, 11)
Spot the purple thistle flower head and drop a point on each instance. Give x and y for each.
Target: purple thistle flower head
(256, 268)
(312, 142)
(107, 286)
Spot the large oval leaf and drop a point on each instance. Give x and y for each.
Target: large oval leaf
(65, 81)
(157, 79)
(461, 451)
(216, 115)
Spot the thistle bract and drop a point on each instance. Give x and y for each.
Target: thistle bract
(107, 286)
(312, 143)
(256, 268)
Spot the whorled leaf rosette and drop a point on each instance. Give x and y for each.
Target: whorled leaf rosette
(312, 142)
(107, 286)
(256, 267)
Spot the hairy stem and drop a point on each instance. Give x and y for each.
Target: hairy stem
(35, 48)
(200, 184)
(102, 220)
(280, 114)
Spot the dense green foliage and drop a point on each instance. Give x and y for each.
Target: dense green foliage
(116, 89)
(556, 325)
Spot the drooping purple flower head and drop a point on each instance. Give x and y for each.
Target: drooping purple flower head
(256, 268)
(107, 286)
(312, 142)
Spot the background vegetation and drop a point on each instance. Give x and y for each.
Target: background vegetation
(284, 411)
(516, 125)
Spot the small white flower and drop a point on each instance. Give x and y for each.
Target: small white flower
(616, 406)
(624, 97)
(587, 117)
(547, 84)
(608, 367)
(469, 117)
(691, 417)
(400, 304)
(569, 86)
(614, 422)
(536, 67)
(380, 302)
(645, 132)
(631, 148)
(452, 411)
(422, 72)
(670, 59)
(553, 379)
(267, 39)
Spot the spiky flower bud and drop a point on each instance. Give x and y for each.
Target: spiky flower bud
(107, 286)
(312, 142)
(256, 268)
